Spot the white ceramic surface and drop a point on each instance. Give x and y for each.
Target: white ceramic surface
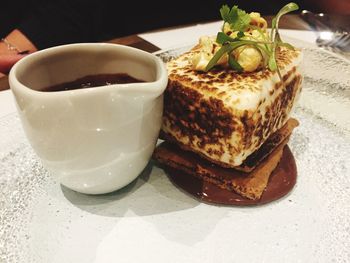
(93, 140)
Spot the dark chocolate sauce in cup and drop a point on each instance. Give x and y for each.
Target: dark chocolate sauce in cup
(281, 182)
(91, 81)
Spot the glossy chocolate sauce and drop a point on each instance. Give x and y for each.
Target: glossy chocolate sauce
(91, 81)
(281, 182)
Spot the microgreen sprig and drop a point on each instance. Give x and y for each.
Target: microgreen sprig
(239, 21)
(275, 36)
(237, 18)
(228, 47)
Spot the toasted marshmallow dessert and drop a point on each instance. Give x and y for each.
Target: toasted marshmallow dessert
(225, 115)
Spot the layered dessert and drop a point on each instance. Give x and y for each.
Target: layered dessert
(229, 101)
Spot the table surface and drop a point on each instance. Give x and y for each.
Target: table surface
(287, 22)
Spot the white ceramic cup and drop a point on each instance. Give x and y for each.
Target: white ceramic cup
(93, 140)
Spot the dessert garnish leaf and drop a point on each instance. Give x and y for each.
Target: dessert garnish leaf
(237, 18)
(222, 38)
(266, 44)
(275, 36)
(234, 64)
(226, 48)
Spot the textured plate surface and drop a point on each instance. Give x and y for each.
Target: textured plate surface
(151, 220)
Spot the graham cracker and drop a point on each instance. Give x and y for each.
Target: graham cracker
(248, 184)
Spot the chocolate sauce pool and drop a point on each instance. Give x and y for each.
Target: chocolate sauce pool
(281, 182)
(91, 81)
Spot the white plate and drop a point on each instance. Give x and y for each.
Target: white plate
(152, 221)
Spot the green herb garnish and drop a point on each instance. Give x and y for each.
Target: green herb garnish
(239, 20)
(234, 64)
(222, 38)
(275, 36)
(228, 47)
